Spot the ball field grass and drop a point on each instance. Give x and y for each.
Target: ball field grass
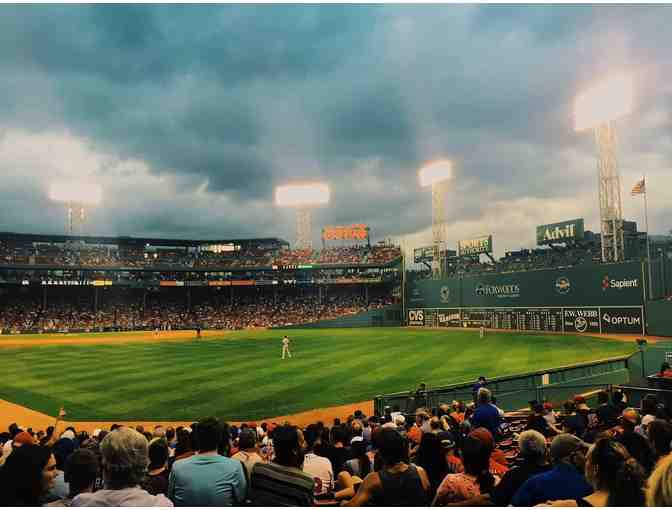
(240, 376)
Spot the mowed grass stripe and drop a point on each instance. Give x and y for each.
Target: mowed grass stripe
(240, 375)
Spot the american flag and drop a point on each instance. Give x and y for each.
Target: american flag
(639, 188)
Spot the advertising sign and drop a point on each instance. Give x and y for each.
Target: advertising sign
(570, 230)
(581, 320)
(416, 317)
(622, 320)
(355, 232)
(423, 254)
(475, 246)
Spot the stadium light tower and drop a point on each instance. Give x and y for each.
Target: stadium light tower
(77, 196)
(435, 175)
(595, 109)
(303, 197)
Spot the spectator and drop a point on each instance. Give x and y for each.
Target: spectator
(316, 466)
(486, 415)
(207, 478)
(156, 481)
(81, 472)
(564, 481)
(398, 483)
(617, 478)
(659, 488)
(537, 421)
(481, 383)
(607, 414)
(62, 450)
(430, 457)
(338, 453)
(498, 463)
(532, 446)
(448, 448)
(415, 434)
(282, 482)
(248, 452)
(124, 460)
(27, 475)
(575, 422)
(476, 479)
(637, 445)
(549, 414)
(660, 435)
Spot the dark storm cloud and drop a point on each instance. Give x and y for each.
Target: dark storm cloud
(233, 100)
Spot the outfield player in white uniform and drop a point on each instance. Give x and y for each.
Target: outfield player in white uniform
(482, 332)
(285, 347)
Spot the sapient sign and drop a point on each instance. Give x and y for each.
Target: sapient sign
(625, 283)
(560, 232)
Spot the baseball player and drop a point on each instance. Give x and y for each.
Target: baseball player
(285, 347)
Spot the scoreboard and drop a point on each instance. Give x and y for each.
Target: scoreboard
(585, 319)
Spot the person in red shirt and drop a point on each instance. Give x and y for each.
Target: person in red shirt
(665, 370)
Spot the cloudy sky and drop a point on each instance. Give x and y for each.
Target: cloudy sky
(189, 116)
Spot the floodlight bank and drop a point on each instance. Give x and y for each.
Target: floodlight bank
(302, 195)
(436, 172)
(76, 192)
(607, 100)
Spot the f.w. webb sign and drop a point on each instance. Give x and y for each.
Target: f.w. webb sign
(570, 230)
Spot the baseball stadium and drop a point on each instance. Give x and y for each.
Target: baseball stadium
(342, 364)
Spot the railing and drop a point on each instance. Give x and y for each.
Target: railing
(516, 391)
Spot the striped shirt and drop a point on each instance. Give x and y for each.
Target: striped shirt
(276, 485)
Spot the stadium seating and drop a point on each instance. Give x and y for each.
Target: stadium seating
(439, 441)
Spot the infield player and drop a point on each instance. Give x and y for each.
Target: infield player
(285, 347)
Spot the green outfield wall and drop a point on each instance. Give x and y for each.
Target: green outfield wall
(390, 316)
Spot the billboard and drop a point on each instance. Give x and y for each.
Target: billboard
(585, 285)
(578, 319)
(475, 246)
(570, 230)
(426, 254)
(355, 232)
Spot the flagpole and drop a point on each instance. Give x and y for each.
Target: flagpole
(648, 244)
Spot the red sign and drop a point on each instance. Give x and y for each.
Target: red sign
(357, 232)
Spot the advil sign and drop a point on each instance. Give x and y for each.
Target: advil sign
(560, 232)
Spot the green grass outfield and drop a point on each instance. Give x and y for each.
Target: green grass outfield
(240, 375)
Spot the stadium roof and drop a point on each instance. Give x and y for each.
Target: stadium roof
(127, 240)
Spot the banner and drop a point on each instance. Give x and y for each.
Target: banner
(423, 254)
(570, 230)
(622, 320)
(475, 246)
(355, 232)
(582, 320)
(416, 318)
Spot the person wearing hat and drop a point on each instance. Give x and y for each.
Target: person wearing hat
(575, 421)
(533, 452)
(448, 445)
(564, 481)
(635, 443)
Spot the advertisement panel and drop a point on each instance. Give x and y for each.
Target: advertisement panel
(423, 254)
(582, 320)
(622, 320)
(355, 232)
(586, 285)
(416, 317)
(570, 230)
(449, 318)
(475, 246)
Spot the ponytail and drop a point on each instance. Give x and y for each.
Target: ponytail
(613, 469)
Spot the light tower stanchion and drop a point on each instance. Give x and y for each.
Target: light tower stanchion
(303, 228)
(438, 215)
(609, 185)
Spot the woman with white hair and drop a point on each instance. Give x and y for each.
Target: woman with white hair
(124, 459)
(532, 446)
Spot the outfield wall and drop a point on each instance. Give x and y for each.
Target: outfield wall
(595, 298)
(389, 316)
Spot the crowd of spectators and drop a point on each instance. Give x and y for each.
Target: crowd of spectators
(126, 311)
(86, 255)
(459, 454)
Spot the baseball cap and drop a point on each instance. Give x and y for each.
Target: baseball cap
(630, 414)
(548, 406)
(564, 445)
(23, 438)
(484, 436)
(579, 399)
(446, 439)
(357, 439)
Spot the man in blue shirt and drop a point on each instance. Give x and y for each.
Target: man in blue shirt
(486, 415)
(564, 481)
(207, 479)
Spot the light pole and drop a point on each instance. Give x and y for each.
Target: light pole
(303, 197)
(77, 196)
(435, 175)
(596, 109)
